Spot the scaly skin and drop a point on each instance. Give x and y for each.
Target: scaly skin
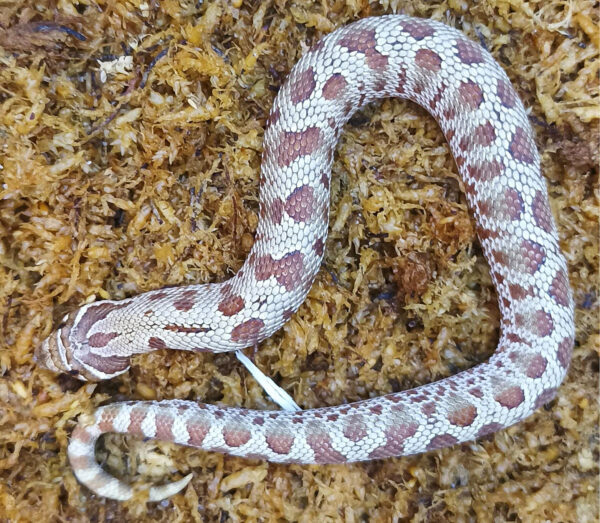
(492, 142)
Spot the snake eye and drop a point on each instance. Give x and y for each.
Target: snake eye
(63, 322)
(73, 372)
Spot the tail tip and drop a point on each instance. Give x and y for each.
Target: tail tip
(169, 489)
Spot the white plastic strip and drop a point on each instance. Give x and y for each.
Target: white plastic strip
(274, 391)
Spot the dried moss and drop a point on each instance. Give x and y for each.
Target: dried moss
(130, 161)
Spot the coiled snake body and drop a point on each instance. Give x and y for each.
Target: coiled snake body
(491, 140)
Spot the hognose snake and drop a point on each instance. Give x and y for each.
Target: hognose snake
(491, 140)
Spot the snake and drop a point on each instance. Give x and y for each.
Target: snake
(491, 139)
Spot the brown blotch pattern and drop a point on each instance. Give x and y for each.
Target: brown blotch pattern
(541, 212)
(500, 257)
(508, 207)
(231, 305)
(395, 437)
(463, 417)
(429, 60)
(156, 343)
(157, 296)
(81, 462)
(164, 427)
(319, 247)
(441, 441)
(318, 46)
(280, 443)
(468, 52)
(247, 332)
(355, 428)
(400, 87)
(522, 147)
(506, 93)
(470, 94)
(518, 292)
(536, 366)
(302, 85)
(533, 255)
(185, 301)
(93, 315)
(484, 134)
(364, 41)
(486, 171)
(428, 409)
(334, 87)
(106, 420)
(101, 339)
(273, 117)
(264, 267)
(81, 434)
(510, 398)
(376, 60)
(513, 204)
(380, 85)
(476, 391)
(197, 431)
(559, 289)
(320, 443)
(108, 365)
(449, 113)
(287, 271)
(274, 211)
(185, 329)
(437, 97)
(300, 205)
(565, 349)
(136, 418)
(236, 436)
(490, 428)
(418, 29)
(291, 269)
(528, 322)
(544, 323)
(376, 409)
(511, 337)
(293, 145)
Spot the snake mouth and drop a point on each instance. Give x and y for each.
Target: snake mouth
(55, 352)
(46, 353)
(68, 350)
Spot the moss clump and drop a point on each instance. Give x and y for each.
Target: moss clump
(131, 138)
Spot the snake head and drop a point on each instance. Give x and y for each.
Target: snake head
(54, 352)
(68, 348)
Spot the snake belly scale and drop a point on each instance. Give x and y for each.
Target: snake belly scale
(492, 142)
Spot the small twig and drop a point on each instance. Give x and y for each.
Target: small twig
(51, 26)
(128, 91)
(151, 66)
(112, 116)
(481, 38)
(5, 315)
